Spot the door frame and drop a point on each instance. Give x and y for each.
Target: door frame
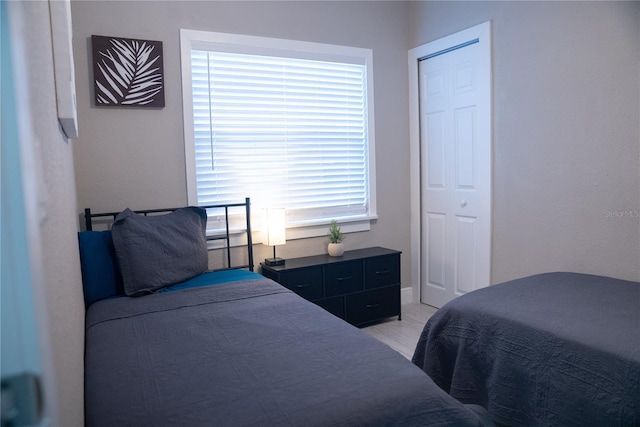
(482, 32)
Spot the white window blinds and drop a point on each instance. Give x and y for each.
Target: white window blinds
(286, 132)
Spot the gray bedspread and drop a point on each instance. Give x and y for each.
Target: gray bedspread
(552, 349)
(248, 353)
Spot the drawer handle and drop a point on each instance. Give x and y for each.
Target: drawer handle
(373, 305)
(302, 285)
(381, 272)
(340, 279)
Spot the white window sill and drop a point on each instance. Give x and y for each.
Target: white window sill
(238, 237)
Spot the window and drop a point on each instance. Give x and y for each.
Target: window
(283, 122)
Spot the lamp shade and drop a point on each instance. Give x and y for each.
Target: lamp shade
(274, 227)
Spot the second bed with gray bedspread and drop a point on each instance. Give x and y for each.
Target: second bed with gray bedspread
(551, 349)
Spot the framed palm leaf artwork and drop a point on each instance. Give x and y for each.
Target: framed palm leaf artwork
(127, 72)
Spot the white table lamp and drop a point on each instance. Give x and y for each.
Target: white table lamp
(274, 229)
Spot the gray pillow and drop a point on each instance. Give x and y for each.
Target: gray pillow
(161, 250)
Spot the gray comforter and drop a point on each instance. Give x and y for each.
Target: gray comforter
(248, 353)
(551, 349)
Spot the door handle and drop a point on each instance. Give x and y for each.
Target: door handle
(463, 203)
(22, 400)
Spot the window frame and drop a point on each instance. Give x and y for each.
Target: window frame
(206, 40)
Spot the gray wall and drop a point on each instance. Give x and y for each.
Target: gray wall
(566, 88)
(53, 240)
(135, 158)
(566, 109)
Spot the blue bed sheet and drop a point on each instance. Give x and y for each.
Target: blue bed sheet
(213, 278)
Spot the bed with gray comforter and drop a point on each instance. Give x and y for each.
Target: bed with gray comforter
(245, 353)
(552, 349)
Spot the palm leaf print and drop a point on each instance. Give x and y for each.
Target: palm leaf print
(128, 72)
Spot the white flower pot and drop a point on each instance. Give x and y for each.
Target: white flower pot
(336, 249)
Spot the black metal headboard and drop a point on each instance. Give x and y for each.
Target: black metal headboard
(89, 217)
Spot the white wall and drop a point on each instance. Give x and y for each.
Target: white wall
(53, 233)
(135, 157)
(566, 78)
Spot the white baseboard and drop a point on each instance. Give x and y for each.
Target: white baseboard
(406, 295)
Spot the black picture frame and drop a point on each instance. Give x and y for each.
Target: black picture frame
(127, 72)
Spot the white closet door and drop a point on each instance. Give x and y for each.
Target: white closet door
(455, 150)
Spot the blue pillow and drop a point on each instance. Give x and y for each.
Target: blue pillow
(101, 276)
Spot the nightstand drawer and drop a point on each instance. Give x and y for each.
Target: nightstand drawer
(343, 278)
(333, 305)
(373, 305)
(382, 271)
(305, 282)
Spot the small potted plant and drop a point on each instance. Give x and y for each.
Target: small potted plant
(336, 248)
